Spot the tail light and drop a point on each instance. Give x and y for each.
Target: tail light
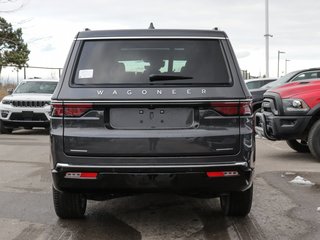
(233, 108)
(70, 110)
(81, 175)
(223, 174)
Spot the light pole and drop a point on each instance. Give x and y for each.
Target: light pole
(267, 35)
(279, 52)
(287, 60)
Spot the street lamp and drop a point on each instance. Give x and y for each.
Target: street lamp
(287, 60)
(267, 35)
(279, 52)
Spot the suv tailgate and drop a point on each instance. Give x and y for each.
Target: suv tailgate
(144, 129)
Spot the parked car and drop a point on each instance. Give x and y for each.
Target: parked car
(257, 83)
(257, 94)
(28, 105)
(151, 111)
(291, 113)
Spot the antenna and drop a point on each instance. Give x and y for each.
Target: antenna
(151, 26)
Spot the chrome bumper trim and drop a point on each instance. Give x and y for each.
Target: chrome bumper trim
(236, 164)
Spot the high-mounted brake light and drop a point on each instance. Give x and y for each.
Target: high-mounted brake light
(70, 110)
(232, 108)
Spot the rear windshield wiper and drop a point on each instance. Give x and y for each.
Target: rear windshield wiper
(164, 77)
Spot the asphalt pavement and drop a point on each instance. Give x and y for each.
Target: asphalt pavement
(281, 209)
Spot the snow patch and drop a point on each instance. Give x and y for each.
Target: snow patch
(258, 136)
(301, 181)
(289, 173)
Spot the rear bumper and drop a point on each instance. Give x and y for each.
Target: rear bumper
(275, 127)
(184, 179)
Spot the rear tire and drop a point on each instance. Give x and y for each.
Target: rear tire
(301, 147)
(237, 203)
(69, 205)
(314, 140)
(3, 129)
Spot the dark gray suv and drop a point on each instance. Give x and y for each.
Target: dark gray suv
(141, 111)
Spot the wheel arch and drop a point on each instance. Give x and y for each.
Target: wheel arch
(315, 117)
(256, 105)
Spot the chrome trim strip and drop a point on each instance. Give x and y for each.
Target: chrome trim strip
(224, 149)
(152, 101)
(149, 37)
(79, 150)
(66, 165)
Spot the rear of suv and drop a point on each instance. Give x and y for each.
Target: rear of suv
(151, 111)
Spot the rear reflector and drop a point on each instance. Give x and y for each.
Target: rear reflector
(81, 175)
(232, 108)
(223, 174)
(70, 110)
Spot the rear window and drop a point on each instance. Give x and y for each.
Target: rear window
(152, 62)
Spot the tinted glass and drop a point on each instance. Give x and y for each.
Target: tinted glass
(254, 85)
(134, 61)
(267, 81)
(307, 75)
(280, 81)
(36, 87)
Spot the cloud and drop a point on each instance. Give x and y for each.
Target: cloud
(7, 6)
(48, 47)
(294, 26)
(243, 54)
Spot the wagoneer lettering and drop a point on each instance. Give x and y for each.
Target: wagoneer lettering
(153, 91)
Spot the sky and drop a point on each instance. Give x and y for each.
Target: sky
(49, 27)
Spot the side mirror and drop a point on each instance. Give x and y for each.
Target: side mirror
(10, 91)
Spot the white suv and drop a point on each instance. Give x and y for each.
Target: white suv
(28, 106)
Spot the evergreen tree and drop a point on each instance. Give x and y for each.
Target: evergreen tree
(13, 50)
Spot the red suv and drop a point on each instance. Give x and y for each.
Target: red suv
(292, 113)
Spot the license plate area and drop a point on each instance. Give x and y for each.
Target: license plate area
(151, 118)
(27, 115)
